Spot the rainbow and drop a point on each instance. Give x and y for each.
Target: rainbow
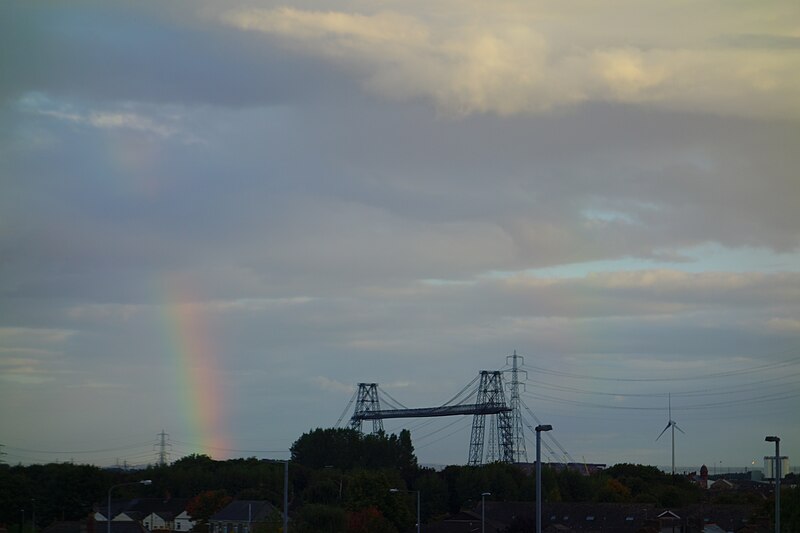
(197, 373)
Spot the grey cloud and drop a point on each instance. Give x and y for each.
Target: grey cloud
(388, 194)
(330, 236)
(132, 53)
(756, 40)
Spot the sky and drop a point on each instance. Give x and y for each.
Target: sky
(218, 217)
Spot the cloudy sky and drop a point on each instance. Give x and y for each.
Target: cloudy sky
(217, 218)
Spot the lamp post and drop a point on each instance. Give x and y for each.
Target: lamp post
(285, 491)
(286, 496)
(112, 487)
(777, 472)
(22, 523)
(410, 492)
(539, 429)
(483, 510)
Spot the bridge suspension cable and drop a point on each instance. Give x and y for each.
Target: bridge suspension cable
(551, 437)
(346, 409)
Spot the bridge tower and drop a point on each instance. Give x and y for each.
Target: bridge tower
(490, 394)
(367, 402)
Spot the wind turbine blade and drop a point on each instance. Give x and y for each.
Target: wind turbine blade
(669, 399)
(679, 429)
(665, 429)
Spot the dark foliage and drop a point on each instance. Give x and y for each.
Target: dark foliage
(340, 482)
(347, 449)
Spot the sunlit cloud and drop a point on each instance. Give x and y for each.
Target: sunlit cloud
(506, 66)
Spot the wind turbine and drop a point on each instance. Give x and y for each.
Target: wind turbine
(674, 426)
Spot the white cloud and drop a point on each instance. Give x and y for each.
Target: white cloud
(24, 370)
(120, 119)
(36, 336)
(784, 325)
(129, 121)
(104, 311)
(512, 62)
(332, 385)
(32, 356)
(27, 351)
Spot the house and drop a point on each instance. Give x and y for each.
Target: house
(121, 527)
(670, 522)
(239, 515)
(730, 517)
(463, 522)
(183, 522)
(155, 514)
(588, 517)
(159, 521)
(90, 526)
(722, 484)
(557, 518)
(128, 516)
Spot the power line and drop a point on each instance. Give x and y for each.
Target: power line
(742, 401)
(462, 427)
(398, 404)
(750, 386)
(549, 435)
(768, 366)
(446, 426)
(71, 452)
(203, 446)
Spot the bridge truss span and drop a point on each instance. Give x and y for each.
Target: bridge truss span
(489, 401)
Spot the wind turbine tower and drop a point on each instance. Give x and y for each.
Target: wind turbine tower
(671, 424)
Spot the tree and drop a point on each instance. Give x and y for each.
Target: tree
(573, 486)
(313, 518)
(339, 447)
(205, 504)
(368, 520)
(614, 492)
(347, 448)
(434, 491)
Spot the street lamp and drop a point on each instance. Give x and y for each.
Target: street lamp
(777, 472)
(285, 491)
(410, 491)
(483, 510)
(112, 487)
(286, 496)
(539, 429)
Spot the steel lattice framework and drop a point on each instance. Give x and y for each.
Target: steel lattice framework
(490, 400)
(367, 404)
(490, 392)
(520, 453)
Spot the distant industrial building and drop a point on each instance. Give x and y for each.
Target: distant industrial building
(769, 466)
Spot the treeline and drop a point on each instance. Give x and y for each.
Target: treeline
(339, 481)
